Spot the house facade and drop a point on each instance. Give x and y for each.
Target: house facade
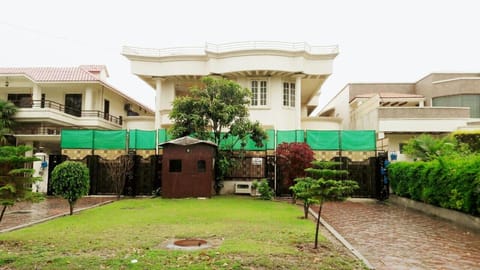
(439, 103)
(50, 99)
(284, 78)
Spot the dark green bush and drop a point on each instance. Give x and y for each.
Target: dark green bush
(452, 182)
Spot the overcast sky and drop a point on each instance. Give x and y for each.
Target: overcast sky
(379, 41)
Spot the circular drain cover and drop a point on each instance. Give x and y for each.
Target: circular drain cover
(190, 242)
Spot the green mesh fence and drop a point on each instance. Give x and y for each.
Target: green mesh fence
(358, 140)
(290, 136)
(110, 139)
(163, 136)
(348, 140)
(142, 139)
(323, 139)
(76, 139)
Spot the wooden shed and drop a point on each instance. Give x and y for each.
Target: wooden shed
(187, 168)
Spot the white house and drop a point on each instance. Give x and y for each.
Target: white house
(439, 103)
(284, 78)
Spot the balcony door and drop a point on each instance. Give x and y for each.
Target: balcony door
(106, 109)
(73, 104)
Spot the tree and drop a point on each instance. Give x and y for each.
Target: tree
(71, 180)
(16, 180)
(305, 189)
(324, 183)
(217, 112)
(117, 170)
(7, 111)
(426, 148)
(292, 159)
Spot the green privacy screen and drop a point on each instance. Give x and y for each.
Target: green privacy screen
(142, 139)
(290, 136)
(327, 140)
(358, 140)
(76, 139)
(96, 139)
(323, 139)
(110, 139)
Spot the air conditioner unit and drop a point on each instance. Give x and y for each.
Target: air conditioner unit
(243, 188)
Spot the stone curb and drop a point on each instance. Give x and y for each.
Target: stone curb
(456, 217)
(340, 238)
(18, 227)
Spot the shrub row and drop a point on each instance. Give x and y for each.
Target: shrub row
(452, 183)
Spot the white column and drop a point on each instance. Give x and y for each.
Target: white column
(88, 99)
(36, 95)
(158, 98)
(298, 105)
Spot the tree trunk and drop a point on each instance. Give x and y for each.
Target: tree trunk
(71, 207)
(305, 209)
(3, 212)
(318, 224)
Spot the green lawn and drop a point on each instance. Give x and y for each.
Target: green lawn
(252, 234)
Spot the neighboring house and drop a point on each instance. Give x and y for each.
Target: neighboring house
(53, 98)
(284, 78)
(437, 104)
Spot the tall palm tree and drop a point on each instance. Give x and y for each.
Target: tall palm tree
(7, 111)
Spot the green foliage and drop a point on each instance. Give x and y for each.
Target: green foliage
(452, 182)
(16, 180)
(470, 138)
(426, 147)
(220, 105)
(305, 189)
(7, 111)
(323, 184)
(71, 180)
(216, 112)
(265, 191)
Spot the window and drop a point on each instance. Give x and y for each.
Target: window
(259, 92)
(465, 100)
(201, 166)
(175, 165)
(73, 104)
(289, 94)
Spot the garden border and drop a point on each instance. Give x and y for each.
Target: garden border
(456, 217)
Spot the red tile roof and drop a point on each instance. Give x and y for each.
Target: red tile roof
(56, 74)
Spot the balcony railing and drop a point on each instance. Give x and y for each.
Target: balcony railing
(68, 110)
(230, 47)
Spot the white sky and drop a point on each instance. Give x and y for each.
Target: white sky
(379, 41)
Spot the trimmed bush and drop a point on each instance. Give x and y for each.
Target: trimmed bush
(452, 183)
(71, 180)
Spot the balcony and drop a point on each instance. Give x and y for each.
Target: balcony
(59, 114)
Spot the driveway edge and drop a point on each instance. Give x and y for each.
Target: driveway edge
(340, 238)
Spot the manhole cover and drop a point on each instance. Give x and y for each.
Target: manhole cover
(190, 242)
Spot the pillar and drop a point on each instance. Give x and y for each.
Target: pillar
(88, 99)
(298, 105)
(158, 98)
(36, 95)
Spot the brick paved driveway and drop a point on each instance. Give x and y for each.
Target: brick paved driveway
(394, 237)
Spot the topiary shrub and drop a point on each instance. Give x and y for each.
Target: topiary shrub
(71, 181)
(265, 191)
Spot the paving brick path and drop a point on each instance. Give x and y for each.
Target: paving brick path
(394, 237)
(25, 213)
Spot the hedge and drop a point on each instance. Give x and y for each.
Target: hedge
(452, 183)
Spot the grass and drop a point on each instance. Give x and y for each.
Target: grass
(252, 234)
